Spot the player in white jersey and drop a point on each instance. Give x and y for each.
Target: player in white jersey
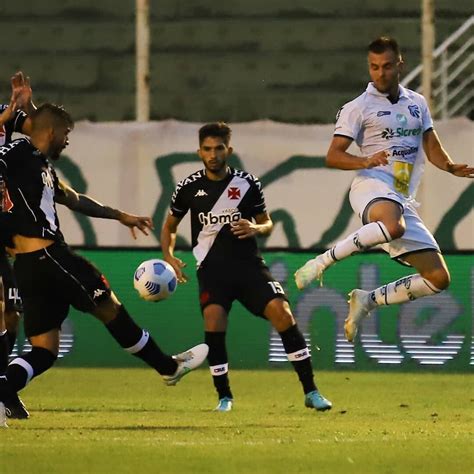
(392, 127)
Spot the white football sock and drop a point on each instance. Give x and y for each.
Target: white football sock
(405, 289)
(367, 236)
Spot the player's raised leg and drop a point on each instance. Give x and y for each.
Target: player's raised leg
(386, 223)
(279, 314)
(433, 277)
(139, 343)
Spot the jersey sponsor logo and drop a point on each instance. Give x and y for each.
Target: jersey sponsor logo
(226, 217)
(233, 193)
(338, 114)
(200, 193)
(381, 113)
(414, 111)
(389, 133)
(404, 152)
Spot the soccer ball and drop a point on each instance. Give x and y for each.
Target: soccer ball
(155, 280)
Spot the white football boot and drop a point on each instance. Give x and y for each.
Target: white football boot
(358, 310)
(187, 361)
(312, 270)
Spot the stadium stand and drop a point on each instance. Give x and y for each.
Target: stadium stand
(238, 61)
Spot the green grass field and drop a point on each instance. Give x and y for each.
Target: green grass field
(127, 421)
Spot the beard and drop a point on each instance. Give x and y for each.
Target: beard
(55, 155)
(216, 167)
(56, 151)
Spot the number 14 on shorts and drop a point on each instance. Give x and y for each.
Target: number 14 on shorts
(276, 287)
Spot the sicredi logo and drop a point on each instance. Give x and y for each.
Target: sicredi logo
(389, 133)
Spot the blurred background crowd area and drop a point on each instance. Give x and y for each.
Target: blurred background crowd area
(237, 60)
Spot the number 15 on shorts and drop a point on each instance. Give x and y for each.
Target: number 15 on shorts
(276, 287)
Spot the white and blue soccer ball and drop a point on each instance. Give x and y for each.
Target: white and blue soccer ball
(155, 280)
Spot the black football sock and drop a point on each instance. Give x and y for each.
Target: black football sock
(139, 343)
(4, 351)
(298, 354)
(22, 369)
(218, 362)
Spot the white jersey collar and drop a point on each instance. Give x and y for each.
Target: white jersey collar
(371, 89)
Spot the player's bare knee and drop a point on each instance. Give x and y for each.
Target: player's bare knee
(281, 319)
(396, 229)
(438, 277)
(107, 310)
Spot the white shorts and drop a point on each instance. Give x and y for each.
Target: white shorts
(416, 237)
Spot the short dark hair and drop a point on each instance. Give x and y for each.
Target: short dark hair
(50, 115)
(385, 43)
(215, 129)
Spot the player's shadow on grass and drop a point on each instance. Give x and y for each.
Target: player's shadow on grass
(127, 428)
(101, 410)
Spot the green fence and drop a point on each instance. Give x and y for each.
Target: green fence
(433, 332)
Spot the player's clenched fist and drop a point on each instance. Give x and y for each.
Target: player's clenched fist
(379, 159)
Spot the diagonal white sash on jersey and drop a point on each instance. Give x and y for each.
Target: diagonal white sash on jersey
(209, 232)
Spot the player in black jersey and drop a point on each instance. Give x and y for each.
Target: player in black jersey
(51, 277)
(228, 212)
(12, 119)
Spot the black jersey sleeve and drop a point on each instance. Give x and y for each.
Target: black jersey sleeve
(258, 198)
(179, 203)
(15, 124)
(19, 120)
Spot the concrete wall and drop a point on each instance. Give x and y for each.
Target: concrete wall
(238, 61)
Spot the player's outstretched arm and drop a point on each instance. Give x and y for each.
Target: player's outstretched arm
(441, 159)
(9, 112)
(338, 157)
(21, 87)
(86, 205)
(168, 242)
(20, 100)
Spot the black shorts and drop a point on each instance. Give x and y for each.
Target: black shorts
(249, 282)
(11, 295)
(52, 279)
